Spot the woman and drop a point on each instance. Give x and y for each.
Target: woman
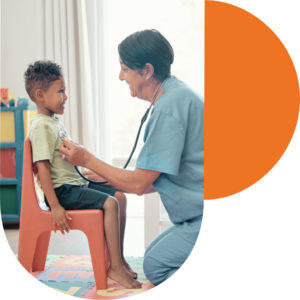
(171, 160)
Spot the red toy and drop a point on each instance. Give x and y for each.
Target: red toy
(7, 97)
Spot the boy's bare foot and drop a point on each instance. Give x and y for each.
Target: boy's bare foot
(129, 270)
(121, 276)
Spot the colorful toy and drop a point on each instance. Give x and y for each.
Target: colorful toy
(6, 97)
(4, 102)
(23, 101)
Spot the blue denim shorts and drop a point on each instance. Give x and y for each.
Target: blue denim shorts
(92, 196)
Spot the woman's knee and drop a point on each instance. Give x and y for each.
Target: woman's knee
(153, 270)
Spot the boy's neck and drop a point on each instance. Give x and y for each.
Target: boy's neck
(41, 110)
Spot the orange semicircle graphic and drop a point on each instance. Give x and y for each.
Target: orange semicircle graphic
(251, 99)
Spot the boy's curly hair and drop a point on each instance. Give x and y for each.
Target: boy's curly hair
(40, 75)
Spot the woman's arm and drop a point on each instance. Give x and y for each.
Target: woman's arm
(59, 215)
(93, 176)
(150, 190)
(137, 181)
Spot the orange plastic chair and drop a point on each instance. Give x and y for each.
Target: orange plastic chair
(36, 226)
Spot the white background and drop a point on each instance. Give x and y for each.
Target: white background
(186, 38)
(249, 245)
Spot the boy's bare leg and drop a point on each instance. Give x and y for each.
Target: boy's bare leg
(116, 271)
(123, 205)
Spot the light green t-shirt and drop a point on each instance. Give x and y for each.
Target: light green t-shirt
(45, 143)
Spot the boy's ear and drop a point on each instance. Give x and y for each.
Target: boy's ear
(38, 94)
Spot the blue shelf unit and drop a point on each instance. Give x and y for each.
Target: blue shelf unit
(18, 146)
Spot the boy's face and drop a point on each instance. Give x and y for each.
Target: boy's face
(52, 101)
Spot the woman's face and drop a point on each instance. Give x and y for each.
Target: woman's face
(134, 79)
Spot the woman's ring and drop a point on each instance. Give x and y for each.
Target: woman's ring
(63, 156)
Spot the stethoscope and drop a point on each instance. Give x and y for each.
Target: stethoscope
(63, 134)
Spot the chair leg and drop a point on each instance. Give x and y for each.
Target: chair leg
(97, 251)
(27, 246)
(41, 249)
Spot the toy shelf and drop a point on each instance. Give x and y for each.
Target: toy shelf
(14, 128)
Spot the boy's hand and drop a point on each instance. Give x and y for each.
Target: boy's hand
(59, 217)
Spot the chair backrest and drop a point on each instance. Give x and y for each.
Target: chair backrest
(29, 201)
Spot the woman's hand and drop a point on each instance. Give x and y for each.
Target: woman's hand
(74, 153)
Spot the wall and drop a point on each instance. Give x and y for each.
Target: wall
(22, 42)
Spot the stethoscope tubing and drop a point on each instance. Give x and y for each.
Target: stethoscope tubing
(143, 120)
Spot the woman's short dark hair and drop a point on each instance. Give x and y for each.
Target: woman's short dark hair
(40, 75)
(147, 46)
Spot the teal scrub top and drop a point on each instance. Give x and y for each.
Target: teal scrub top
(174, 146)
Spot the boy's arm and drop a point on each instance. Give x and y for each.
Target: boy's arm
(59, 215)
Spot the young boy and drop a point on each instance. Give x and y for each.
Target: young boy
(64, 189)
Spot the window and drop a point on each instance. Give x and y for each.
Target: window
(182, 23)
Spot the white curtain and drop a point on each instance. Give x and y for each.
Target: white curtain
(73, 38)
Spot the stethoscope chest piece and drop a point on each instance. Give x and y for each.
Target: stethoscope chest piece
(62, 134)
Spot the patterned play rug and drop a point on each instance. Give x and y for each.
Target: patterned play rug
(73, 275)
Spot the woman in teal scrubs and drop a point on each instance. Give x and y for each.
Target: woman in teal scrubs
(171, 161)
